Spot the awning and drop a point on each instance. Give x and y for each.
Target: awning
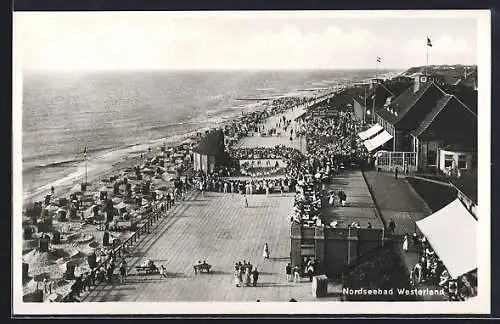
(370, 132)
(452, 233)
(377, 141)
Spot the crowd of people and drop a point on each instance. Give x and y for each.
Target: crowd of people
(216, 183)
(253, 122)
(245, 274)
(277, 152)
(336, 138)
(431, 270)
(331, 145)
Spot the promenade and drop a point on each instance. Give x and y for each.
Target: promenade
(359, 206)
(283, 139)
(219, 229)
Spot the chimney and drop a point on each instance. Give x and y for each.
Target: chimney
(419, 81)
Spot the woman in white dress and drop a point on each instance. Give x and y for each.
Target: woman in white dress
(265, 253)
(405, 243)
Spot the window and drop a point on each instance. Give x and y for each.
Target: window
(448, 160)
(462, 162)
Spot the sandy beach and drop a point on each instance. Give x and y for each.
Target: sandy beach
(81, 239)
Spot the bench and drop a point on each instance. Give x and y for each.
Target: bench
(202, 268)
(147, 270)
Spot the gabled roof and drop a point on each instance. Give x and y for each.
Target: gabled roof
(432, 115)
(211, 144)
(445, 101)
(404, 103)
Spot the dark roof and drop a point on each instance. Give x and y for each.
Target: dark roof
(467, 184)
(460, 115)
(432, 115)
(211, 144)
(405, 102)
(382, 91)
(464, 93)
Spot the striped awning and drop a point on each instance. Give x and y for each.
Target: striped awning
(377, 141)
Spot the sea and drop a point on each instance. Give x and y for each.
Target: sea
(64, 112)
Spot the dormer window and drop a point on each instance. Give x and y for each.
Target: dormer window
(423, 79)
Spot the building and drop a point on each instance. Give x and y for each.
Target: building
(424, 120)
(373, 97)
(336, 248)
(209, 153)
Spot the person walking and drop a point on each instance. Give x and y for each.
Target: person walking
(288, 271)
(163, 271)
(255, 277)
(296, 274)
(246, 200)
(265, 252)
(396, 172)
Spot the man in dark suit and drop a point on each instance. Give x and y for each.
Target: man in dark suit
(255, 277)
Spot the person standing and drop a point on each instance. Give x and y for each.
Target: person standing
(255, 277)
(288, 271)
(392, 226)
(405, 243)
(265, 253)
(236, 276)
(396, 172)
(240, 276)
(246, 200)
(310, 271)
(247, 276)
(296, 274)
(123, 272)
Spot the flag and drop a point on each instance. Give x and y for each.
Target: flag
(85, 152)
(379, 59)
(429, 43)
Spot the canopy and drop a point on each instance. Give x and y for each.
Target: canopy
(452, 233)
(370, 132)
(377, 141)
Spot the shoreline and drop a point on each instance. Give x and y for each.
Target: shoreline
(115, 160)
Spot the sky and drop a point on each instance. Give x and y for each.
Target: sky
(243, 40)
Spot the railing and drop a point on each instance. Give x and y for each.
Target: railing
(404, 161)
(145, 228)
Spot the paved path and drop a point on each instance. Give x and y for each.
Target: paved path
(359, 205)
(219, 229)
(397, 200)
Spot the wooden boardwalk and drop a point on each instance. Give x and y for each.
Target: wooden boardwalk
(219, 229)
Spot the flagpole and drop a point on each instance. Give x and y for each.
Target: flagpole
(364, 110)
(427, 58)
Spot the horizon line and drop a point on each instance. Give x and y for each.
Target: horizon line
(236, 69)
